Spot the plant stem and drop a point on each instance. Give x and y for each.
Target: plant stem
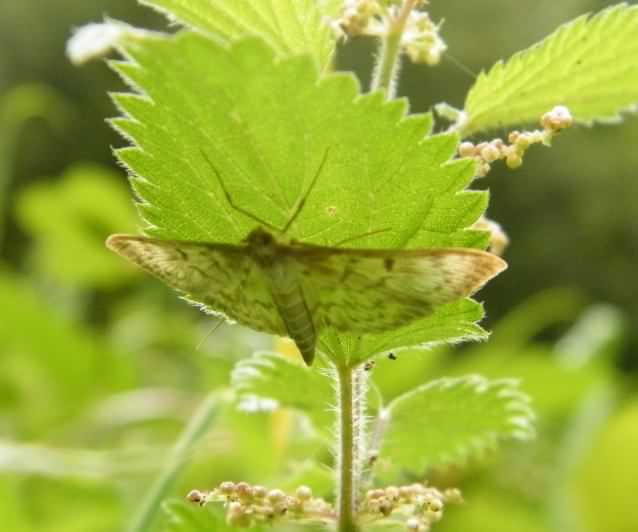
(192, 433)
(387, 67)
(346, 452)
(360, 391)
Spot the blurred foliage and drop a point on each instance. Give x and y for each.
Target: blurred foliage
(66, 221)
(101, 367)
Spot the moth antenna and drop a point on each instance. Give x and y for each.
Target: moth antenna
(229, 198)
(302, 201)
(460, 65)
(357, 237)
(209, 334)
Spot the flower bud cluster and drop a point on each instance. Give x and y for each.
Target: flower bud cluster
(557, 119)
(498, 237)
(422, 504)
(420, 38)
(359, 17)
(486, 153)
(247, 504)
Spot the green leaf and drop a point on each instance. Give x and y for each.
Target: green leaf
(320, 477)
(183, 517)
(558, 377)
(267, 124)
(451, 420)
(590, 65)
(67, 222)
(291, 384)
(289, 26)
(449, 323)
(554, 387)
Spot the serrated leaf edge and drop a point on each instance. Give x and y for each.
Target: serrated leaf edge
(521, 425)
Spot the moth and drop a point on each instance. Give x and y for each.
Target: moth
(280, 286)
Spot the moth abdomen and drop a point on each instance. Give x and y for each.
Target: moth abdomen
(294, 312)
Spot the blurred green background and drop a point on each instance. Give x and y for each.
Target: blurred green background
(100, 367)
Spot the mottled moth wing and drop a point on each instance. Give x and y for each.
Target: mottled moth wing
(366, 291)
(223, 277)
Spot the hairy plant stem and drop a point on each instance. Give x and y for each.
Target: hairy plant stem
(346, 504)
(387, 68)
(360, 392)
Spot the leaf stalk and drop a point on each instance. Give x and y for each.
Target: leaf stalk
(387, 68)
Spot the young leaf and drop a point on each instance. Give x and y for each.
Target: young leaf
(289, 26)
(267, 124)
(450, 420)
(590, 65)
(291, 384)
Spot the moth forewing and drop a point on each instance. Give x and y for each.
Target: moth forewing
(297, 289)
(364, 291)
(222, 277)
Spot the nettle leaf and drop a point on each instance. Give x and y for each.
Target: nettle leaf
(289, 26)
(289, 383)
(590, 65)
(267, 124)
(450, 323)
(451, 420)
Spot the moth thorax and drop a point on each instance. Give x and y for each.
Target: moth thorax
(263, 245)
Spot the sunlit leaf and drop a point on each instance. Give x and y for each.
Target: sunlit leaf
(289, 26)
(590, 65)
(289, 383)
(451, 420)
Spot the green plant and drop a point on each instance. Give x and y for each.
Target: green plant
(250, 86)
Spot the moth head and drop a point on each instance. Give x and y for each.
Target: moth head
(260, 237)
(261, 242)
